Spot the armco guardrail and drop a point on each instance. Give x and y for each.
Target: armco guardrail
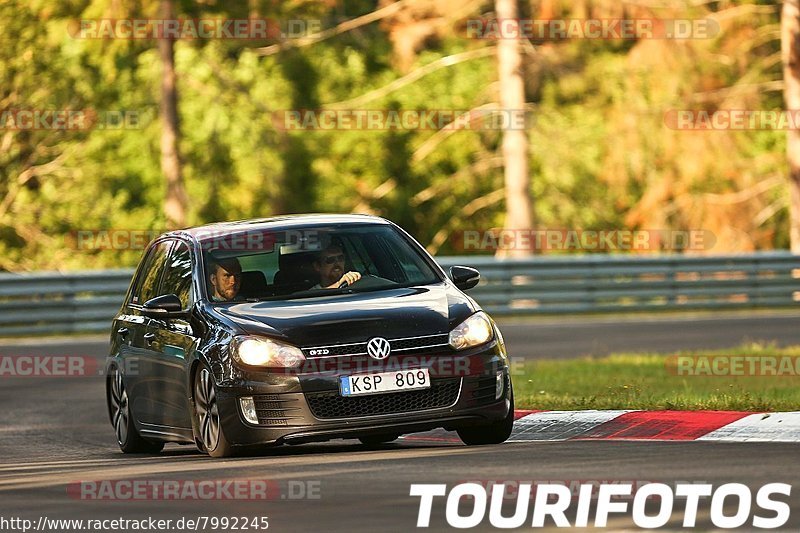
(598, 284)
(43, 303)
(81, 302)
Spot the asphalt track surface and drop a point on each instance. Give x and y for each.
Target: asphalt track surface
(570, 337)
(54, 434)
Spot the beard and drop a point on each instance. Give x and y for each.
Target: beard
(229, 293)
(333, 275)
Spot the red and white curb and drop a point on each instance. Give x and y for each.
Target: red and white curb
(657, 425)
(732, 426)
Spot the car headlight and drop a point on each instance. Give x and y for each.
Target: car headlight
(260, 351)
(475, 330)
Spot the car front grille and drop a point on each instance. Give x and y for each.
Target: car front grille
(330, 405)
(415, 343)
(404, 345)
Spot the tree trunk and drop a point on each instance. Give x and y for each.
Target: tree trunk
(176, 200)
(519, 210)
(790, 47)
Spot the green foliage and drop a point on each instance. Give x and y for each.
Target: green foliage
(601, 155)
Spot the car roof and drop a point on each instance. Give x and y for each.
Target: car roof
(200, 233)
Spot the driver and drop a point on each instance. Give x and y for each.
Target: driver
(330, 267)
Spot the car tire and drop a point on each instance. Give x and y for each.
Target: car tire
(494, 433)
(119, 411)
(210, 437)
(376, 440)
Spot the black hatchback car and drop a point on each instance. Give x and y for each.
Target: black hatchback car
(299, 329)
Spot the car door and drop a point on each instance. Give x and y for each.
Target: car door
(173, 341)
(138, 357)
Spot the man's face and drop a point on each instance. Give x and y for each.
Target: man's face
(330, 265)
(226, 281)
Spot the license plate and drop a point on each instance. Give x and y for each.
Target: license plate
(401, 380)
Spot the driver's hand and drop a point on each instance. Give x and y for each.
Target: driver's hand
(350, 277)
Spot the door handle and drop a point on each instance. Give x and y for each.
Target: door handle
(123, 333)
(149, 338)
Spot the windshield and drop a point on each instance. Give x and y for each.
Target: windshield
(308, 262)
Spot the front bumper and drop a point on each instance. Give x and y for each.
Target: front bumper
(306, 406)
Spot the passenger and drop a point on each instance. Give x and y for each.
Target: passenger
(226, 279)
(330, 267)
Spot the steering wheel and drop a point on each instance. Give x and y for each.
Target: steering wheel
(368, 280)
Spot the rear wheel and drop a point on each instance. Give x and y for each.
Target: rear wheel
(494, 433)
(211, 437)
(128, 438)
(374, 440)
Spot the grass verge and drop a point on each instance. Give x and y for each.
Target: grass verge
(698, 380)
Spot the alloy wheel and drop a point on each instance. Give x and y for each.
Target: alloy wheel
(120, 410)
(207, 409)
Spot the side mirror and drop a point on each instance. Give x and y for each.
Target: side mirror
(162, 306)
(464, 277)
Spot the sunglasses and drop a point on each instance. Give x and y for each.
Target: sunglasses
(331, 259)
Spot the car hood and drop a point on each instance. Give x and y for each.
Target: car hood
(356, 317)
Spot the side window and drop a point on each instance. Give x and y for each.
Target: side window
(178, 276)
(150, 275)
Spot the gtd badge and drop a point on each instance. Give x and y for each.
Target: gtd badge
(378, 348)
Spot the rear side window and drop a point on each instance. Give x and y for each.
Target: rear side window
(178, 275)
(150, 275)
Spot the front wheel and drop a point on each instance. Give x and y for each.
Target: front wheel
(119, 410)
(211, 437)
(494, 433)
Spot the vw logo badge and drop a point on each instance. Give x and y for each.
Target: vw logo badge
(378, 348)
